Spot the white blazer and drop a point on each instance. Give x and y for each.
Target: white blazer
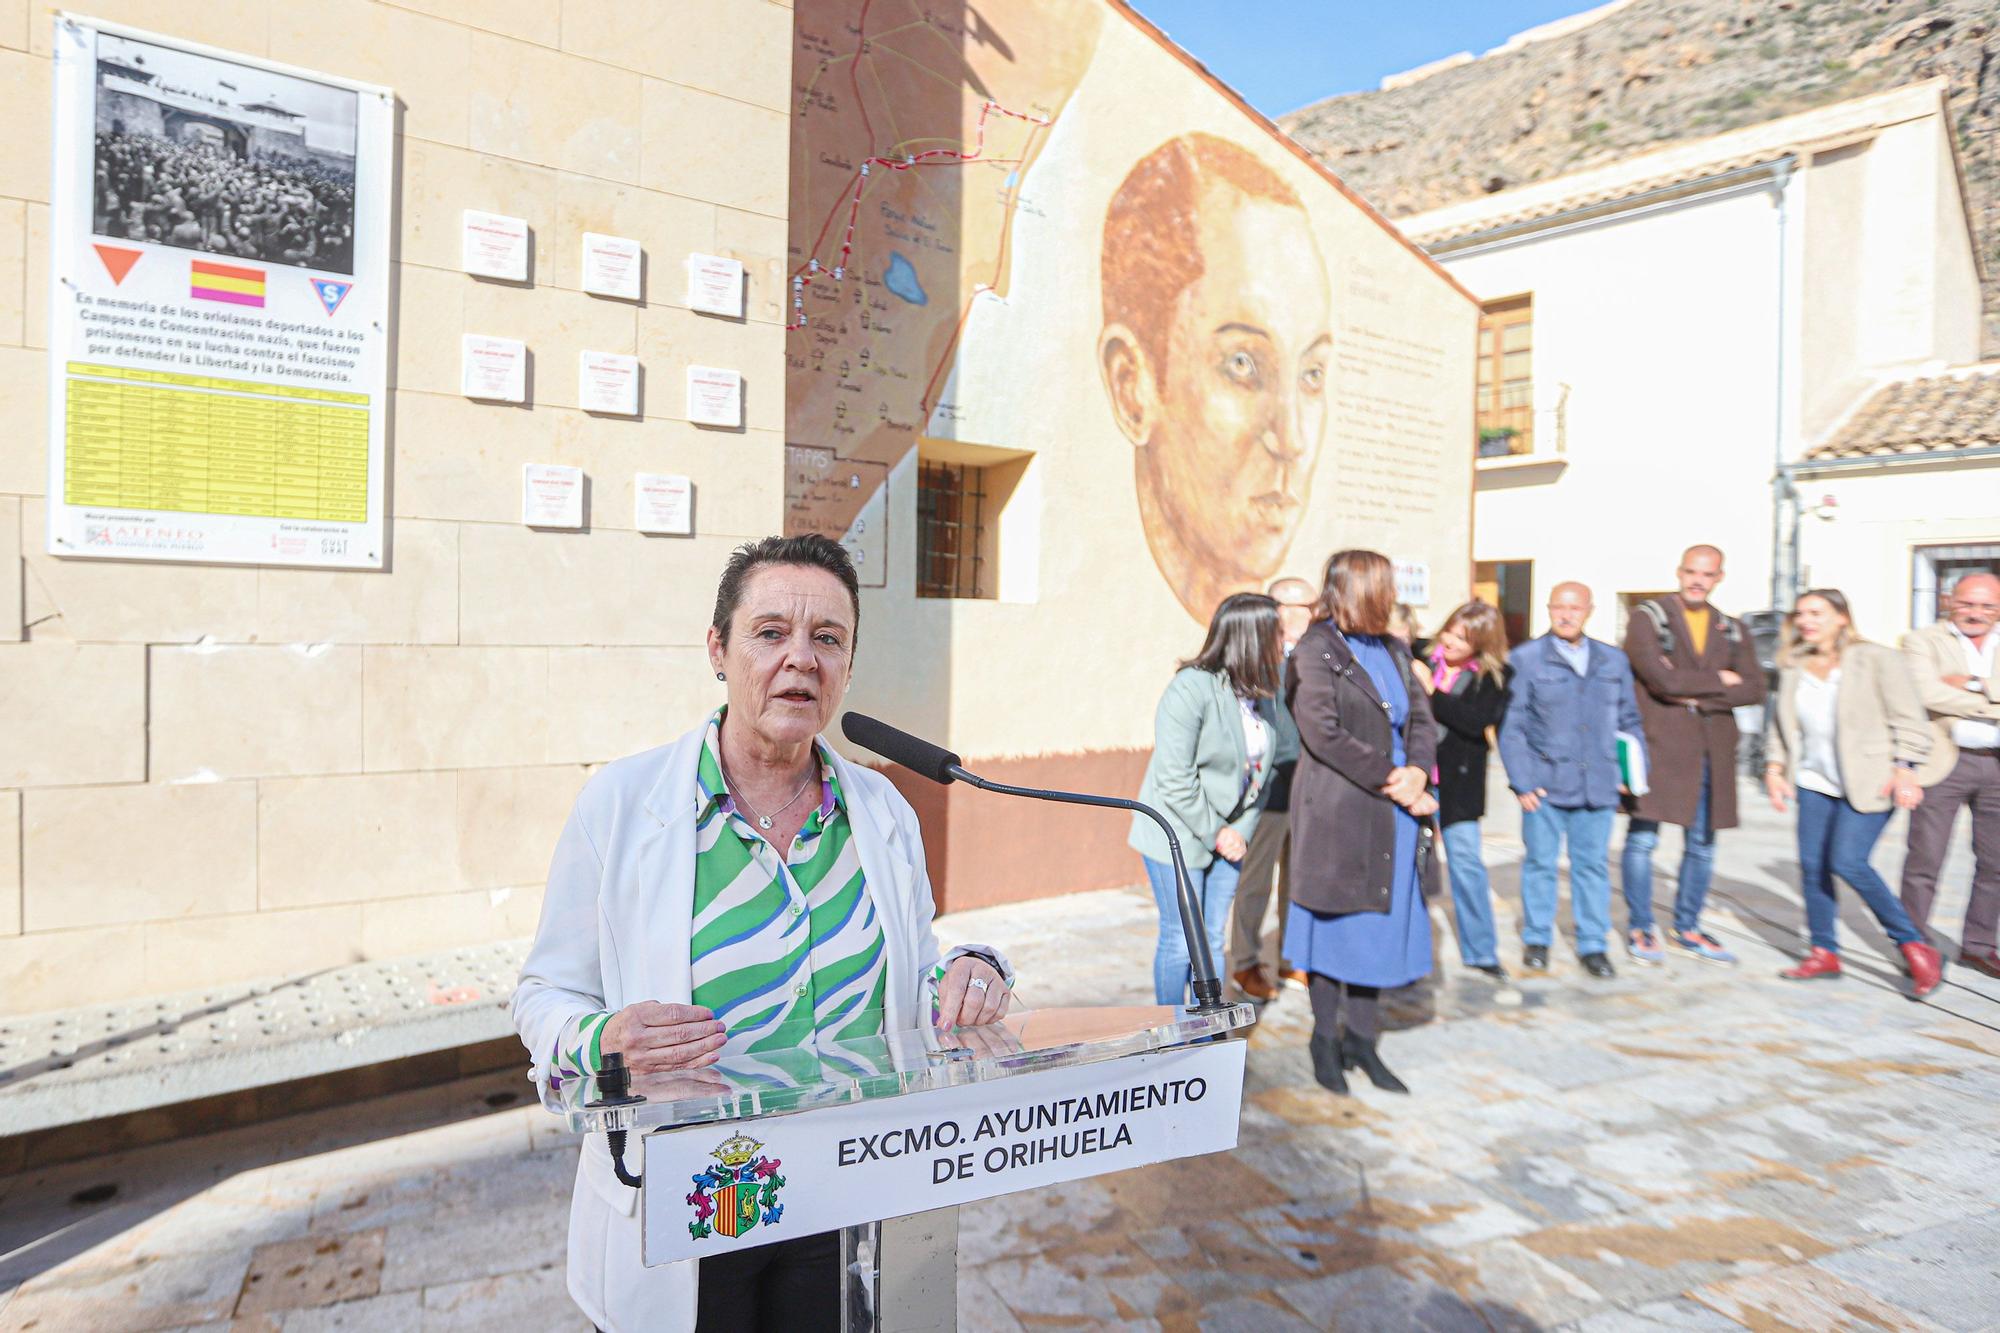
(615, 930)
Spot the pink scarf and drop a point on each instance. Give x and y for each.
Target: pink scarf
(1442, 676)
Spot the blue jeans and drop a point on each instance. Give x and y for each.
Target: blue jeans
(1215, 888)
(1471, 894)
(1588, 832)
(1697, 867)
(1835, 839)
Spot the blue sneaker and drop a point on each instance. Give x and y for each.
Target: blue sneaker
(1703, 946)
(1643, 946)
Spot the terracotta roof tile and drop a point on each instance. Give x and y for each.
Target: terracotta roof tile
(1942, 412)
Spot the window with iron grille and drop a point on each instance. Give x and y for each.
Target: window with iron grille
(1933, 571)
(1506, 384)
(951, 530)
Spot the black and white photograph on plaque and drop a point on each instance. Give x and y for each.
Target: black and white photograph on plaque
(207, 154)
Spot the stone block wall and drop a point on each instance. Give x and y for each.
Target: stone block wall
(211, 774)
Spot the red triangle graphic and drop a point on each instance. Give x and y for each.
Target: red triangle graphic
(117, 262)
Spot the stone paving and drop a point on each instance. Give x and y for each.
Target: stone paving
(1686, 1147)
(58, 1067)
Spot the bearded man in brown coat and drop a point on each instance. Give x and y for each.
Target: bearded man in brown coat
(1691, 666)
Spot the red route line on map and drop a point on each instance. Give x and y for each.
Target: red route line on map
(908, 162)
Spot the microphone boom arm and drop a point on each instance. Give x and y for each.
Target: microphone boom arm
(1206, 985)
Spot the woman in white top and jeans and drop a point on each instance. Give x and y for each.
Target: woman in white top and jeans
(1847, 734)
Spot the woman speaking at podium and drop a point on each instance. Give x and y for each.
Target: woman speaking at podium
(743, 889)
(1367, 743)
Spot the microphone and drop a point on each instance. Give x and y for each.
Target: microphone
(919, 756)
(942, 766)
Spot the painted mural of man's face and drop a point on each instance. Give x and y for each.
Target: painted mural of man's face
(1226, 403)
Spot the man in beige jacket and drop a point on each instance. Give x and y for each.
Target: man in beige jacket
(1956, 674)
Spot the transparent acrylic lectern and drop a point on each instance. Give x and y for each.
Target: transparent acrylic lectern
(885, 1136)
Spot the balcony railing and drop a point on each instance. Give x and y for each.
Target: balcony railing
(1523, 431)
(1507, 432)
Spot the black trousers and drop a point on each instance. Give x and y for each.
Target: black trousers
(790, 1287)
(1338, 1006)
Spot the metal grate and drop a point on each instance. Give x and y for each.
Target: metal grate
(951, 529)
(1933, 569)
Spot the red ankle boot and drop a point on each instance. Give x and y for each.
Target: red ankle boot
(1926, 967)
(1819, 965)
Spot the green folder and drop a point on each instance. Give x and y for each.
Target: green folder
(1632, 764)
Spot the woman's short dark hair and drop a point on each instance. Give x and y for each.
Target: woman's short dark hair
(1359, 592)
(1244, 644)
(811, 551)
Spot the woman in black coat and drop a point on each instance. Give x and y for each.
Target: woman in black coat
(1468, 685)
(1359, 800)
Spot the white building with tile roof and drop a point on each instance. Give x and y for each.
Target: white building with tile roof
(1903, 496)
(1669, 337)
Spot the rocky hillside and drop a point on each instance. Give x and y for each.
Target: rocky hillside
(1654, 71)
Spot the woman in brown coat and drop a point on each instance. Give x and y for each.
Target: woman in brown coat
(1367, 744)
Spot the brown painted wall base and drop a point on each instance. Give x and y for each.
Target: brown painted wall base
(984, 849)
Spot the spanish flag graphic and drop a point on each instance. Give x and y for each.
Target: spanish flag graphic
(209, 281)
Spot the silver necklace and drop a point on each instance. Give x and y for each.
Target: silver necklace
(764, 821)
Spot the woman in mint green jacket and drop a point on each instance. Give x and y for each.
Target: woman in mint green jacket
(1215, 741)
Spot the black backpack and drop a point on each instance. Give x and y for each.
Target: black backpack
(1663, 625)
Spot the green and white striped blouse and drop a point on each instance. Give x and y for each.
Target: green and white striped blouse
(785, 950)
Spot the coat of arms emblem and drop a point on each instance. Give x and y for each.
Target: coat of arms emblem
(737, 1193)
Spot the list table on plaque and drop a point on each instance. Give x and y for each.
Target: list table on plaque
(147, 439)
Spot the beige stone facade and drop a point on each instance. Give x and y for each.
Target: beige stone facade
(216, 773)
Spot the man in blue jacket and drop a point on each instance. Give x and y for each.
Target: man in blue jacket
(1572, 696)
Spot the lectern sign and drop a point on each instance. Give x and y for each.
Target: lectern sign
(863, 1161)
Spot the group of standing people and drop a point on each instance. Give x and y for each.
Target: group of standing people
(745, 890)
(1324, 699)
(1316, 746)
(201, 196)
(1860, 731)
(1649, 728)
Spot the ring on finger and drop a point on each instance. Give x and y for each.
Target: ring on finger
(978, 983)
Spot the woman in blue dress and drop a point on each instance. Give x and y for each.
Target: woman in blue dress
(1360, 802)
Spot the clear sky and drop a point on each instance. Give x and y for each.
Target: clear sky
(1282, 54)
